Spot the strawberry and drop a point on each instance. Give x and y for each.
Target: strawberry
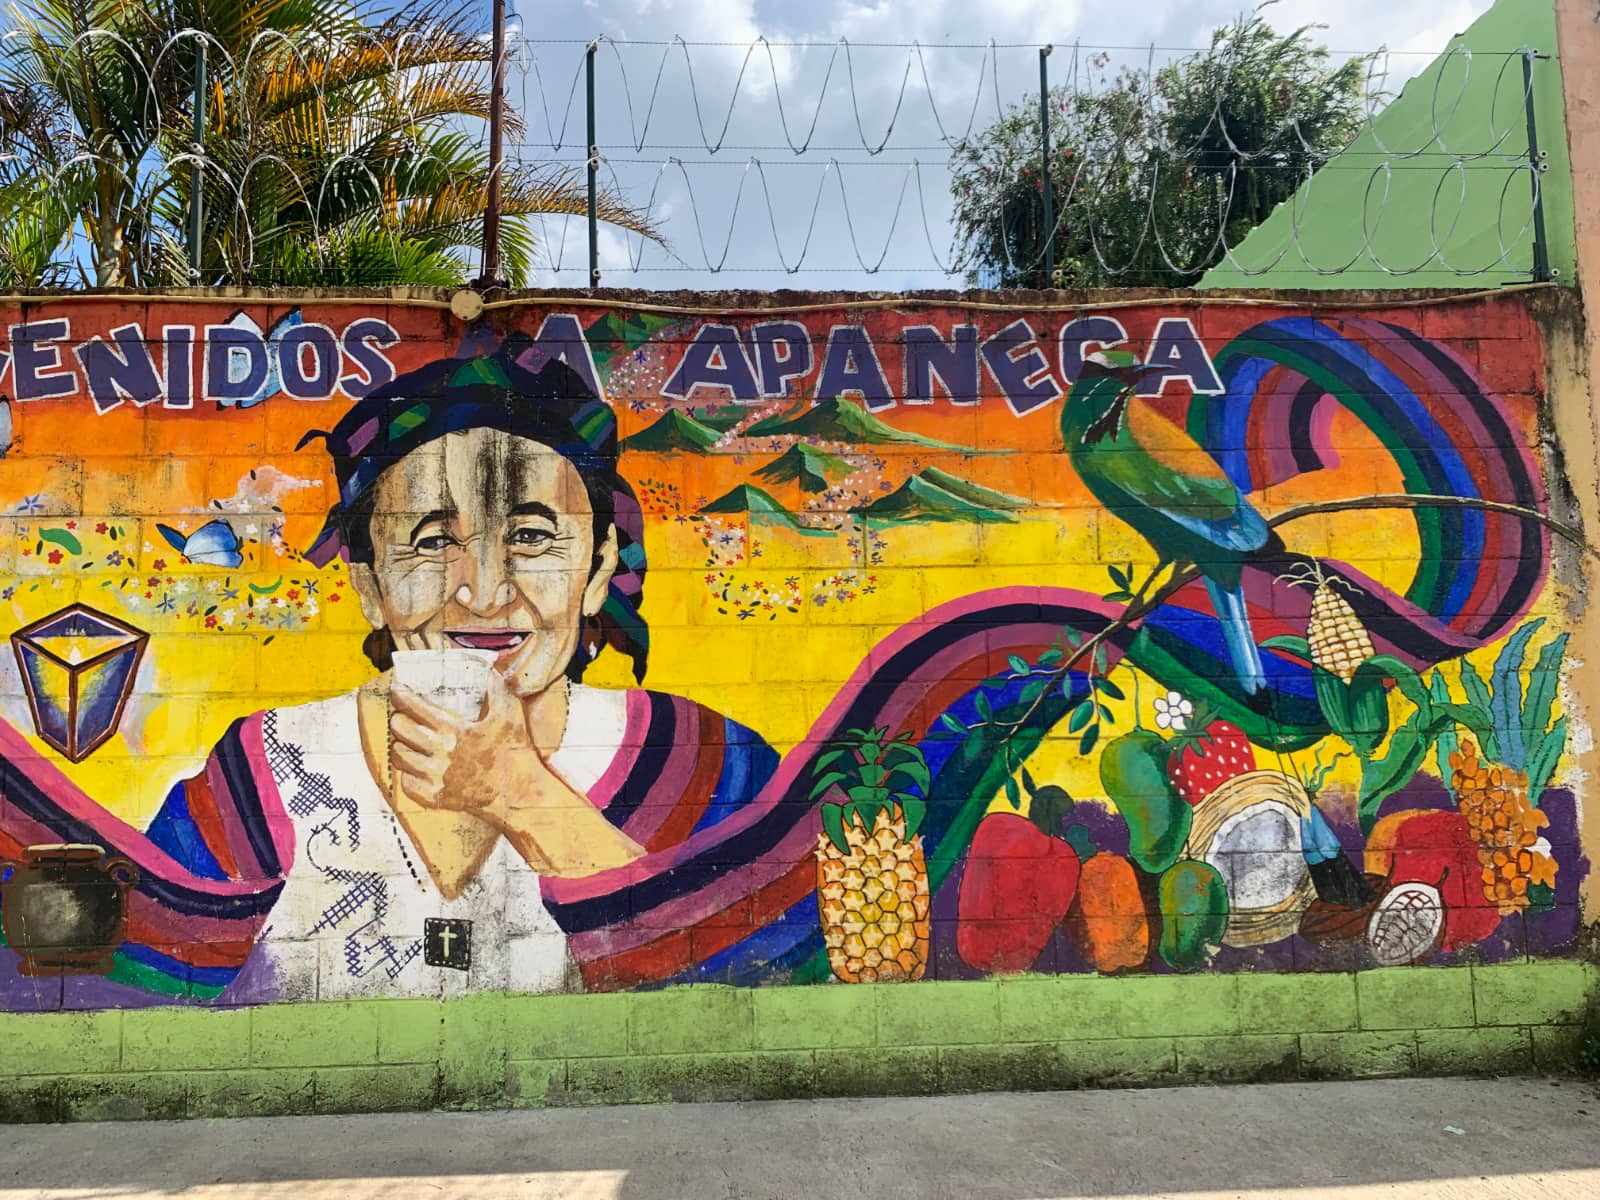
(1017, 887)
(1202, 762)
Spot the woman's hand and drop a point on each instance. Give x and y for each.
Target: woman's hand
(494, 769)
(444, 760)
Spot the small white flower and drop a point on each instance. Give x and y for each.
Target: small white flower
(1171, 710)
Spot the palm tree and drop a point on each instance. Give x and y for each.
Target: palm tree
(335, 152)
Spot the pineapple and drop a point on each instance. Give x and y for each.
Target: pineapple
(874, 901)
(872, 880)
(1494, 799)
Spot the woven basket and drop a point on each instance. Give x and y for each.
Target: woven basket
(1255, 926)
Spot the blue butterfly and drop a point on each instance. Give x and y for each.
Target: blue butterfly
(214, 544)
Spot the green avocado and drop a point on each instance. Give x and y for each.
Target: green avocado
(1194, 913)
(1133, 770)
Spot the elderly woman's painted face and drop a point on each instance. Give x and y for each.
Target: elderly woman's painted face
(484, 540)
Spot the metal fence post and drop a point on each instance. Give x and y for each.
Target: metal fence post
(594, 168)
(1538, 164)
(497, 103)
(196, 169)
(1049, 270)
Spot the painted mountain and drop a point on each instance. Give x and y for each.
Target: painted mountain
(935, 495)
(804, 464)
(720, 417)
(841, 421)
(673, 430)
(751, 501)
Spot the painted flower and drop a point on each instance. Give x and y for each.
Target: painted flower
(54, 556)
(1172, 710)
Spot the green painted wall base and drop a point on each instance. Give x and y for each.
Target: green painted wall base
(717, 1043)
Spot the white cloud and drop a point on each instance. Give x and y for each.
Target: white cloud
(845, 112)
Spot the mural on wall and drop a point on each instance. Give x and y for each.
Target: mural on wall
(1145, 640)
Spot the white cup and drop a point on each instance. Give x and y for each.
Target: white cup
(456, 680)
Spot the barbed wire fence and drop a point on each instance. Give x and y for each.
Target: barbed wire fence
(736, 164)
(752, 182)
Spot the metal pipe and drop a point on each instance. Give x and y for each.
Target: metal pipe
(497, 103)
(594, 168)
(1048, 272)
(196, 169)
(1538, 163)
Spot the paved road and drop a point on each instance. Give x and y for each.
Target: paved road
(1452, 1139)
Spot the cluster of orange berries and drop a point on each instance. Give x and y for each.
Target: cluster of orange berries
(1494, 799)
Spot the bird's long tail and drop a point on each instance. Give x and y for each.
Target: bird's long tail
(1242, 649)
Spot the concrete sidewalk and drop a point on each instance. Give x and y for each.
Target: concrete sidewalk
(1454, 1138)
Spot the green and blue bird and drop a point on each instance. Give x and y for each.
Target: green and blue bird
(1153, 476)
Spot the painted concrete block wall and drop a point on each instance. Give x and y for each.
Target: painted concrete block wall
(878, 694)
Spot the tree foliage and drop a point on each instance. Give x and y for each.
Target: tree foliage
(335, 150)
(1157, 172)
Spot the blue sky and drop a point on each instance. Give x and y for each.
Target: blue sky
(837, 209)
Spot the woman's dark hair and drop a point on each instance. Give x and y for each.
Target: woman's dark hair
(518, 389)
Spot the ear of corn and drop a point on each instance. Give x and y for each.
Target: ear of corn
(1339, 642)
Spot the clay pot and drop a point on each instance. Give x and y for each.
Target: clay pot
(63, 908)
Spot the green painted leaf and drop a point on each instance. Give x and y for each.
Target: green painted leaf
(1382, 777)
(1542, 692)
(832, 756)
(1050, 658)
(826, 782)
(1333, 697)
(833, 826)
(1013, 794)
(1368, 709)
(62, 538)
(914, 811)
(1087, 742)
(1033, 689)
(1027, 782)
(1108, 688)
(981, 703)
(1018, 664)
(1506, 683)
(917, 774)
(951, 723)
(1478, 694)
(1543, 762)
(1297, 646)
(1081, 716)
(1448, 743)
